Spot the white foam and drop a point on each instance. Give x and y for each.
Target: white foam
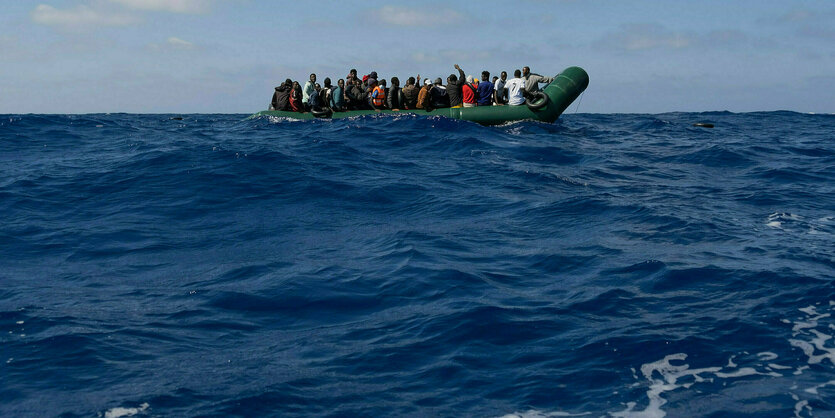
(814, 390)
(540, 414)
(125, 412)
(767, 356)
(798, 407)
(669, 375)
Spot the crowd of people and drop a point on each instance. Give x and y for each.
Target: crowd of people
(371, 93)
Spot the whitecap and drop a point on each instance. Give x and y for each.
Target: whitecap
(125, 412)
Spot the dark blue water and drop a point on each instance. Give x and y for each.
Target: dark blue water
(623, 265)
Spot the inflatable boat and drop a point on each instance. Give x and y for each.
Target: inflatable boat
(547, 106)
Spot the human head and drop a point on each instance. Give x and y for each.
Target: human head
(312, 78)
(395, 82)
(470, 79)
(340, 82)
(427, 82)
(485, 75)
(372, 74)
(383, 83)
(288, 82)
(317, 86)
(410, 81)
(495, 78)
(327, 81)
(452, 78)
(517, 73)
(526, 70)
(353, 72)
(438, 81)
(504, 75)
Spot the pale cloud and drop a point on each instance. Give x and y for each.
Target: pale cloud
(79, 17)
(179, 43)
(636, 37)
(173, 44)
(173, 6)
(403, 16)
(650, 36)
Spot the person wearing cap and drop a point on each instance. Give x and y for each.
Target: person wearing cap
(411, 92)
(454, 88)
(439, 97)
(470, 92)
(485, 90)
(532, 80)
(516, 89)
(372, 78)
(424, 96)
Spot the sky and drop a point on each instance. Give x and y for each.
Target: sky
(225, 56)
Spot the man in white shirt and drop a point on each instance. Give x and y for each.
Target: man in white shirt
(516, 89)
(499, 93)
(308, 88)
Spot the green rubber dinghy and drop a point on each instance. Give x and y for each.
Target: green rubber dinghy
(547, 107)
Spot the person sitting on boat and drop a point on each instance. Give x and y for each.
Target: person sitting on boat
(349, 79)
(326, 93)
(470, 92)
(410, 93)
(337, 100)
(357, 95)
(281, 97)
(371, 81)
(499, 90)
(378, 94)
(309, 87)
(516, 89)
(313, 101)
(532, 80)
(454, 88)
(296, 104)
(394, 96)
(485, 90)
(424, 96)
(439, 97)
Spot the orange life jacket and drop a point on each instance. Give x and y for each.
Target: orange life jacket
(380, 97)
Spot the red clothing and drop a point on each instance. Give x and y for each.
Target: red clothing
(295, 101)
(470, 93)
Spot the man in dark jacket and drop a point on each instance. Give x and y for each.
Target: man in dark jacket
(410, 93)
(439, 98)
(281, 97)
(394, 95)
(485, 90)
(454, 88)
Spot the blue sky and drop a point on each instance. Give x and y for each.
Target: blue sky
(225, 56)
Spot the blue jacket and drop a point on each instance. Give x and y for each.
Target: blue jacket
(485, 93)
(337, 99)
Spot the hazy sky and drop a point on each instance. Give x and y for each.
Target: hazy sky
(225, 56)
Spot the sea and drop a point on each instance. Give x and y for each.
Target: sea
(605, 265)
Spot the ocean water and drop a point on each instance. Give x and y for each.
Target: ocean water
(604, 265)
